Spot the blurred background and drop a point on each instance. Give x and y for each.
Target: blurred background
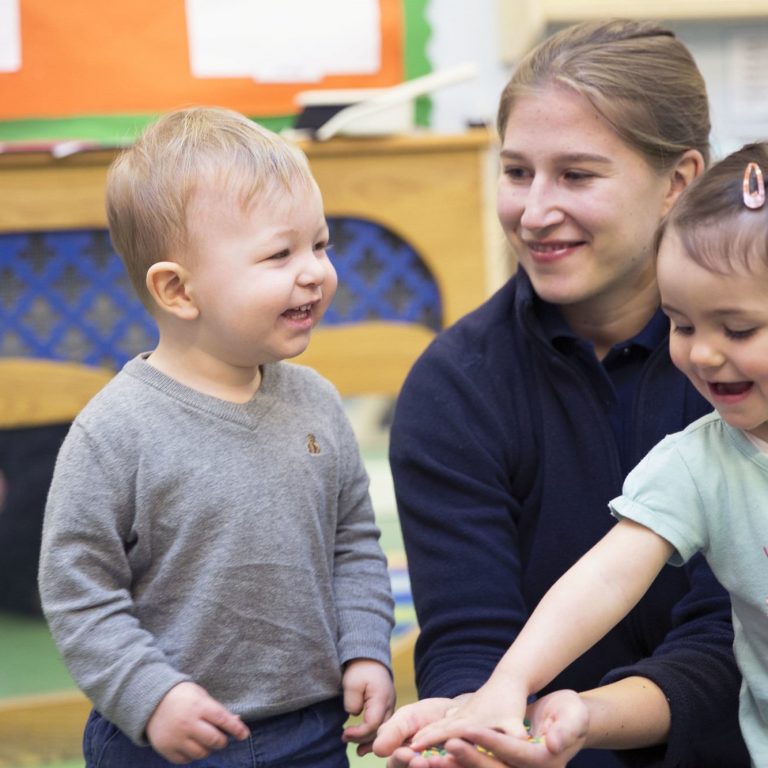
(408, 180)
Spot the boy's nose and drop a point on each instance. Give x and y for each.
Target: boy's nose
(314, 269)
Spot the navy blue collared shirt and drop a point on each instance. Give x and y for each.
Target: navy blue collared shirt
(615, 376)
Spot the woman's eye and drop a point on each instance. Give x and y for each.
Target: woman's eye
(280, 254)
(682, 330)
(577, 175)
(516, 172)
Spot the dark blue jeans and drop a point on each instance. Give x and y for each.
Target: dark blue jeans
(309, 738)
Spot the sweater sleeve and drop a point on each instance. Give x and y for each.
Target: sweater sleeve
(456, 508)
(85, 583)
(362, 591)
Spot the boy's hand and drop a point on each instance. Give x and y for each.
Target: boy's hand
(368, 688)
(188, 724)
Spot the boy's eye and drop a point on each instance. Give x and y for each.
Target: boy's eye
(280, 254)
(682, 330)
(323, 245)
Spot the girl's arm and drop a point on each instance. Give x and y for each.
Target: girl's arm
(581, 607)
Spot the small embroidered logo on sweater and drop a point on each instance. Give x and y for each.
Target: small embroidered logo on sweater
(312, 445)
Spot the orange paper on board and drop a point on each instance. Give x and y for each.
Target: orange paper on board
(91, 57)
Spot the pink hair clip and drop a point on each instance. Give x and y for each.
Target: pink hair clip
(753, 186)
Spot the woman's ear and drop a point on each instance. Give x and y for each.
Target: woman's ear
(167, 285)
(686, 169)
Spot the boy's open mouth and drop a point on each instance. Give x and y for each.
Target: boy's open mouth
(298, 313)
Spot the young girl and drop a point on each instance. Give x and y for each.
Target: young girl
(703, 489)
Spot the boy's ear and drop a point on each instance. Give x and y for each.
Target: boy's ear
(167, 284)
(688, 167)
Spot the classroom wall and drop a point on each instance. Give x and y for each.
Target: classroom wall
(732, 55)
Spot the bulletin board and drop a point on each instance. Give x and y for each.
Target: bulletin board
(101, 69)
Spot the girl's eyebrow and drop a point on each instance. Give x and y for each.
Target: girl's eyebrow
(716, 313)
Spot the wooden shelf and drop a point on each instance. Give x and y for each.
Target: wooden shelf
(523, 22)
(429, 189)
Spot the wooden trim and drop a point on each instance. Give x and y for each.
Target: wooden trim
(402, 667)
(43, 728)
(366, 358)
(36, 392)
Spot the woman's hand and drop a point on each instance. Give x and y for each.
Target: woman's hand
(559, 725)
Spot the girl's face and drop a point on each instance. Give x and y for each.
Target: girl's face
(578, 205)
(719, 333)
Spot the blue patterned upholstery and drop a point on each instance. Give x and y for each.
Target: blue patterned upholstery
(65, 295)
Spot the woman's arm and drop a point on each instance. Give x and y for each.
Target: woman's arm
(630, 713)
(452, 456)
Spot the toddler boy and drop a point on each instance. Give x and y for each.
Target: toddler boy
(210, 566)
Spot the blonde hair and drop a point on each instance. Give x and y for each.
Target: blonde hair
(636, 74)
(149, 185)
(715, 227)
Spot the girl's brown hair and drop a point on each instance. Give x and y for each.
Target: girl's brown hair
(716, 228)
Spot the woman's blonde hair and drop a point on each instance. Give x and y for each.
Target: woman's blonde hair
(150, 184)
(636, 74)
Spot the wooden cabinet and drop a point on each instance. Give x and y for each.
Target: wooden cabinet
(429, 190)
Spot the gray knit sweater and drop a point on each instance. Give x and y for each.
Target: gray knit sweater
(188, 538)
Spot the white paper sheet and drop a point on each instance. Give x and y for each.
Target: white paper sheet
(10, 36)
(747, 78)
(283, 40)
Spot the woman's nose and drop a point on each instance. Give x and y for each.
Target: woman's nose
(540, 206)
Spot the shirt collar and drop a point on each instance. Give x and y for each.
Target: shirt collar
(560, 335)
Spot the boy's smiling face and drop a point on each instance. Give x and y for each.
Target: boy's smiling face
(719, 333)
(260, 276)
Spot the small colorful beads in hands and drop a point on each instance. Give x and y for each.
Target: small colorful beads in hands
(440, 751)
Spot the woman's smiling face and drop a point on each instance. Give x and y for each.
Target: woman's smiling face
(579, 206)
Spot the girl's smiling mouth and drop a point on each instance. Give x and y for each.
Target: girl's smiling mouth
(729, 389)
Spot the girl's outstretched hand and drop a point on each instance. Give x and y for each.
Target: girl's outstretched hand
(499, 704)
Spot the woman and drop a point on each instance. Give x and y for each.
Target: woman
(518, 424)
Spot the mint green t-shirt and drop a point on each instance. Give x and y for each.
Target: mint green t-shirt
(705, 489)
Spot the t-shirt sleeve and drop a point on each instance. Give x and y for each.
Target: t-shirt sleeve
(662, 493)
